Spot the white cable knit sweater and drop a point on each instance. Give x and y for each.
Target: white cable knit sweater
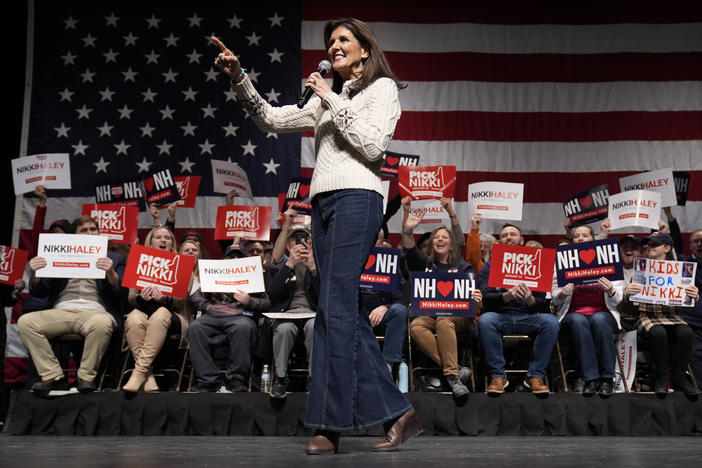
(351, 135)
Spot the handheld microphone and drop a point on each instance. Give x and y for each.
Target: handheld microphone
(323, 68)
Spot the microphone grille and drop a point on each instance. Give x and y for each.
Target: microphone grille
(324, 67)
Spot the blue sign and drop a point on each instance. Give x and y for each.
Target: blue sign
(586, 262)
(382, 270)
(441, 294)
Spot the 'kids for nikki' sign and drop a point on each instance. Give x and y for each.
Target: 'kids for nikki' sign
(427, 181)
(443, 294)
(248, 222)
(586, 262)
(514, 264)
(664, 281)
(167, 271)
(382, 270)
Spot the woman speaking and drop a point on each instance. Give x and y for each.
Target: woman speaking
(353, 122)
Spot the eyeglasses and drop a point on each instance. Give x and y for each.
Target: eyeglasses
(696, 241)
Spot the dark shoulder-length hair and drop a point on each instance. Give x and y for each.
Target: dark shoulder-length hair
(453, 255)
(374, 67)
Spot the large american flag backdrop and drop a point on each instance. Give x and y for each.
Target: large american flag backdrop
(558, 100)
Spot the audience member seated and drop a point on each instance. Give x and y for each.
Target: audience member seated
(154, 317)
(230, 317)
(88, 307)
(589, 313)
(693, 315)
(515, 311)
(294, 289)
(670, 335)
(442, 254)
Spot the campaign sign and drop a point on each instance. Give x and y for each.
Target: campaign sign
(664, 281)
(231, 275)
(427, 181)
(159, 188)
(393, 161)
(432, 215)
(71, 255)
(382, 270)
(167, 271)
(187, 189)
(228, 176)
(119, 223)
(248, 222)
(514, 264)
(12, 263)
(586, 262)
(440, 294)
(587, 206)
(52, 170)
(128, 192)
(496, 200)
(298, 196)
(682, 186)
(635, 208)
(660, 181)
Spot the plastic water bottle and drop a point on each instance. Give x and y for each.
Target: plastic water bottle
(266, 380)
(403, 378)
(71, 375)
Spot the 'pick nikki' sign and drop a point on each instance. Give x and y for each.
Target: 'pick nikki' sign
(167, 271)
(382, 270)
(514, 264)
(586, 262)
(443, 294)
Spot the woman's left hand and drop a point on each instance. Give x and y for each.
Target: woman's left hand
(606, 285)
(477, 295)
(318, 85)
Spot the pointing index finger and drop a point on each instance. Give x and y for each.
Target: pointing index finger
(220, 44)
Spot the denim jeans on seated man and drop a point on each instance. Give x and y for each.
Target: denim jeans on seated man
(517, 311)
(593, 338)
(351, 387)
(388, 317)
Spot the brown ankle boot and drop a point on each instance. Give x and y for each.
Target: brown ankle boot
(135, 382)
(150, 384)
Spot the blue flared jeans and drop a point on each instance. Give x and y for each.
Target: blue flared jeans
(351, 386)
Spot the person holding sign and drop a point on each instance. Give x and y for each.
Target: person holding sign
(354, 121)
(442, 254)
(154, 316)
(88, 307)
(589, 313)
(518, 310)
(670, 335)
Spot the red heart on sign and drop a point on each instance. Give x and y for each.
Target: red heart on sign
(587, 256)
(149, 184)
(392, 160)
(370, 262)
(304, 190)
(586, 202)
(445, 287)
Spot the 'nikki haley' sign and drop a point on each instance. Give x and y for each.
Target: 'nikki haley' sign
(443, 294)
(382, 270)
(586, 262)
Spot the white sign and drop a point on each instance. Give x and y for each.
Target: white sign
(664, 281)
(228, 176)
(660, 180)
(432, 213)
(71, 255)
(635, 208)
(231, 275)
(53, 171)
(496, 200)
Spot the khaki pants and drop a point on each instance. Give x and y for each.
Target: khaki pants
(442, 349)
(37, 328)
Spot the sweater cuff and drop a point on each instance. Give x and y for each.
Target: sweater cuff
(244, 89)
